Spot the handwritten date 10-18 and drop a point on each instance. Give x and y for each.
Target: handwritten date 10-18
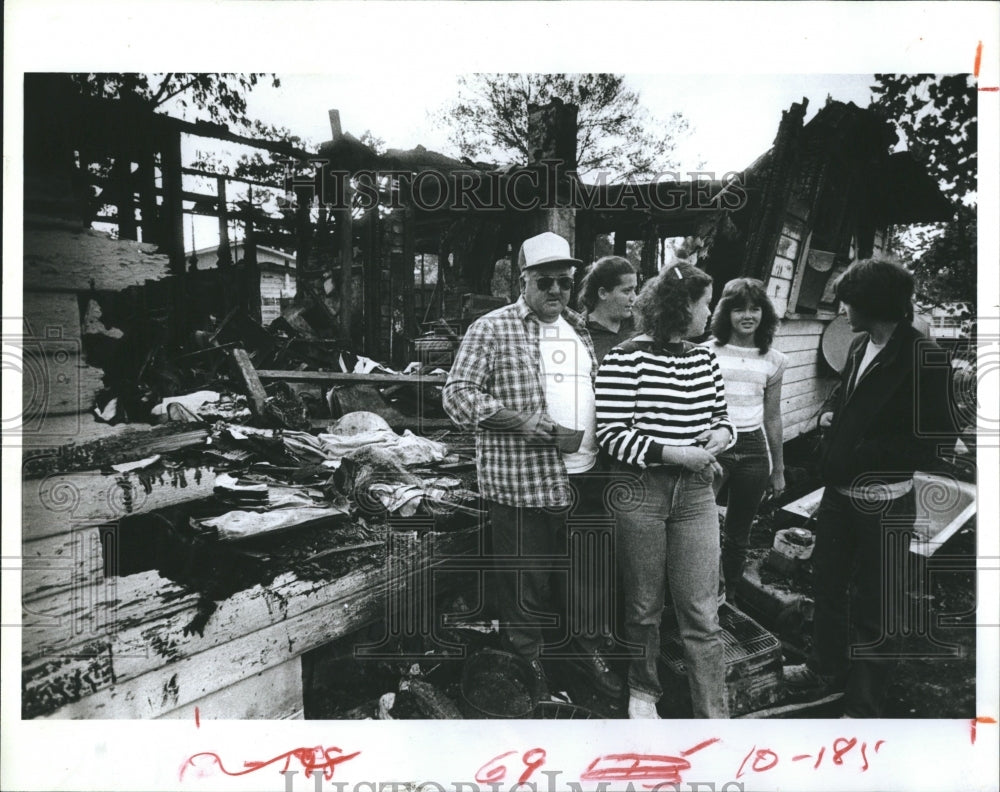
(760, 760)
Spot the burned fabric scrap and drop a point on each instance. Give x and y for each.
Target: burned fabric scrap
(240, 524)
(207, 405)
(407, 449)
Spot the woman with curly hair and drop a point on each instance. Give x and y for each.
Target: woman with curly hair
(606, 297)
(743, 329)
(661, 414)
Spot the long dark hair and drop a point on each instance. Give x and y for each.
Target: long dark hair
(741, 293)
(605, 273)
(663, 307)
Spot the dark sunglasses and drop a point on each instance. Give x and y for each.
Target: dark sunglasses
(544, 282)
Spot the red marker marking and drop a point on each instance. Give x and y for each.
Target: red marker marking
(801, 756)
(630, 766)
(311, 759)
(699, 746)
(975, 68)
(532, 759)
(819, 758)
(864, 755)
(841, 746)
(972, 726)
(197, 718)
(879, 744)
(764, 755)
(497, 773)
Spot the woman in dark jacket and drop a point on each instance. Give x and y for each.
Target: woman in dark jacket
(887, 418)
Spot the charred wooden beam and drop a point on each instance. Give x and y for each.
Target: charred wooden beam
(172, 232)
(341, 376)
(173, 202)
(303, 233)
(128, 447)
(401, 274)
(225, 256)
(345, 230)
(148, 209)
(124, 196)
(775, 189)
(241, 179)
(552, 131)
(372, 280)
(251, 271)
(251, 380)
(648, 256)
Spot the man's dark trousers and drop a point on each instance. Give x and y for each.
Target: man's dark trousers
(553, 571)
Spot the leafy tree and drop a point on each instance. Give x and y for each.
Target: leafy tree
(942, 257)
(616, 134)
(220, 98)
(936, 114)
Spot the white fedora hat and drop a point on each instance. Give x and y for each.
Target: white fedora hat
(546, 248)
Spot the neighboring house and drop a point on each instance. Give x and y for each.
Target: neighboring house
(945, 321)
(277, 274)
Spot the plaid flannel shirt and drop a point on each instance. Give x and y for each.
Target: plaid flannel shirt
(497, 366)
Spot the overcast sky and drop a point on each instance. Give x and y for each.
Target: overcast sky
(733, 117)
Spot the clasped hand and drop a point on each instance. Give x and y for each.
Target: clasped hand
(696, 459)
(714, 441)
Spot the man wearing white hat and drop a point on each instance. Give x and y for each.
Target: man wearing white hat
(523, 380)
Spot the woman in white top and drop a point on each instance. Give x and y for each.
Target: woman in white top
(743, 328)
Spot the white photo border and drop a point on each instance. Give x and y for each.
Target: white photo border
(436, 37)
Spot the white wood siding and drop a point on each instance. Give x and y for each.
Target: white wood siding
(807, 380)
(272, 289)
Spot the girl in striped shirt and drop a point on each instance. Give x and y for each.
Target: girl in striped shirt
(743, 329)
(662, 417)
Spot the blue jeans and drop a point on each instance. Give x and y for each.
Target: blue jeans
(747, 468)
(673, 532)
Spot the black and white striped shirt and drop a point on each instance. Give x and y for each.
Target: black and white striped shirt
(649, 397)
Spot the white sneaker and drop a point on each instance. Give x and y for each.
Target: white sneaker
(642, 709)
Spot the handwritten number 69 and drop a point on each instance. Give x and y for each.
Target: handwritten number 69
(495, 770)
